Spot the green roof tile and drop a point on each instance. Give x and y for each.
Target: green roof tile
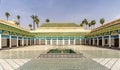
(60, 25)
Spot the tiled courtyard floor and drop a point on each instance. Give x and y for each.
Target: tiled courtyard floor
(25, 58)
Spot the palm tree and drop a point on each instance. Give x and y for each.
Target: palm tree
(33, 18)
(37, 21)
(7, 14)
(36, 17)
(18, 17)
(93, 22)
(102, 21)
(89, 25)
(30, 25)
(81, 24)
(85, 22)
(17, 23)
(47, 20)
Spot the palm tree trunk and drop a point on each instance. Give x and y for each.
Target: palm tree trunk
(84, 26)
(19, 21)
(7, 18)
(33, 25)
(37, 25)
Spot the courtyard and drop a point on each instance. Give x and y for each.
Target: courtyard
(59, 35)
(26, 58)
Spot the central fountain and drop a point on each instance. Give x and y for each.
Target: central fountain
(61, 49)
(61, 52)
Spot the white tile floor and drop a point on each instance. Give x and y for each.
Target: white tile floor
(12, 64)
(110, 63)
(11, 60)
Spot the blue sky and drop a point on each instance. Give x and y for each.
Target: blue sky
(61, 10)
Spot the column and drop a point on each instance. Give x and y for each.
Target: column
(69, 41)
(74, 40)
(97, 41)
(63, 41)
(34, 41)
(51, 40)
(22, 41)
(80, 41)
(30, 41)
(57, 41)
(45, 41)
(10, 42)
(0, 41)
(38, 41)
(109, 40)
(27, 42)
(85, 41)
(17, 41)
(119, 40)
(103, 41)
(93, 41)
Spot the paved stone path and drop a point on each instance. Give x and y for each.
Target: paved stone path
(110, 63)
(62, 64)
(12, 64)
